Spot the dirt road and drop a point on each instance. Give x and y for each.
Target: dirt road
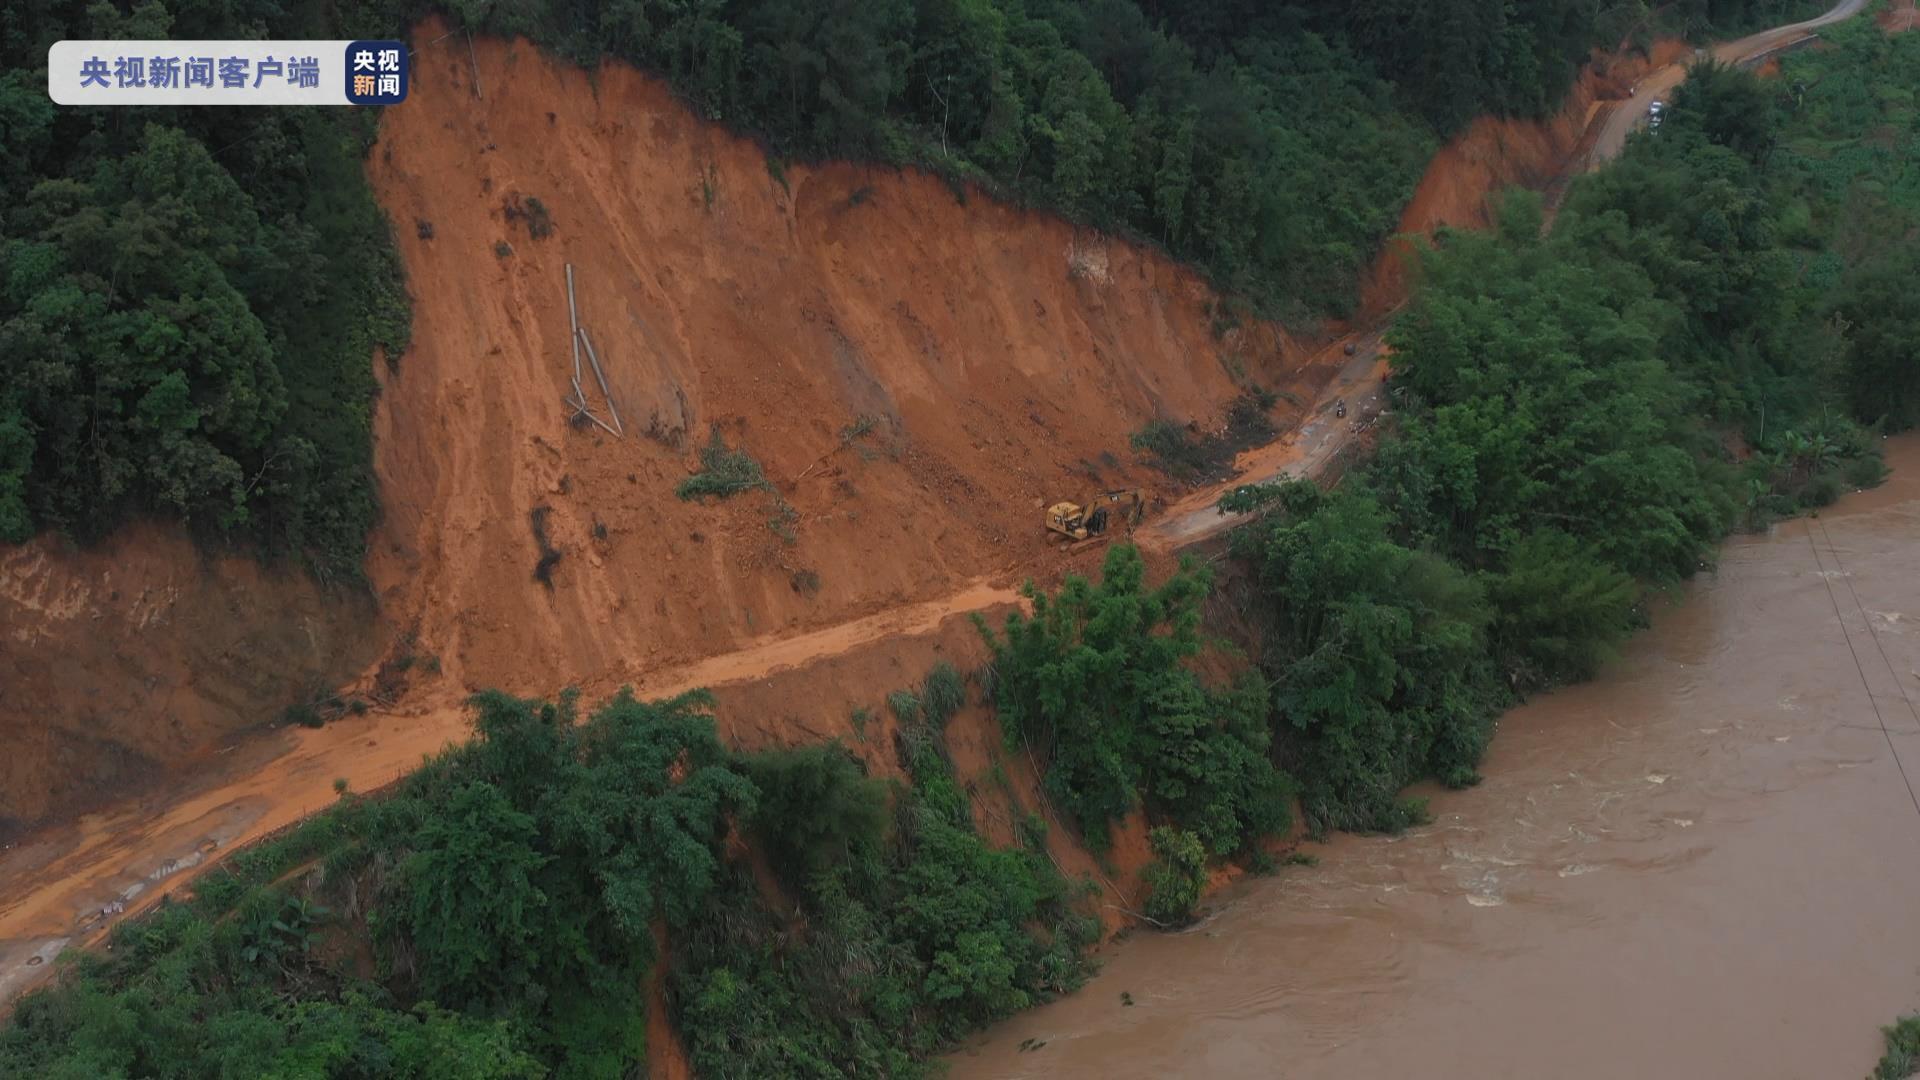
(71, 883)
(1621, 121)
(74, 883)
(1311, 449)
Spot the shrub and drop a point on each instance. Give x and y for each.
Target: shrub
(724, 472)
(1902, 1058)
(905, 705)
(1198, 458)
(1866, 471)
(539, 221)
(943, 694)
(1820, 491)
(1095, 683)
(816, 809)
(542, 567)
(1176, 877)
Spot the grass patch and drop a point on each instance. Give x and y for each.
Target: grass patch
(943, 694)
(905, 705)
(724, 472)
(862, 425)
(1176, 876)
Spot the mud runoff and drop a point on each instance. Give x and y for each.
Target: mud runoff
(1702, 864)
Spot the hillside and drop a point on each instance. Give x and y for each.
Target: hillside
(914, 374)
(847, 393)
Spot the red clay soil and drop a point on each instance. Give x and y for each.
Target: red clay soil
(1899, 16)
(1002, 356)
(196, 648)
(1493, 154)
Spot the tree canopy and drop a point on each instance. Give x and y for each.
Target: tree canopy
(191, 303)
(1580, 415)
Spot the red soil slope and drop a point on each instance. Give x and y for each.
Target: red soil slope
(140, 656)
(1003, 359)
(1493, 154)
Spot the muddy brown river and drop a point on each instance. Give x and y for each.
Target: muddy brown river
(1703, 864)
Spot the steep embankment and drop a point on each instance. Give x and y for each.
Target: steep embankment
(999, 357)
(141, 656)
(1495, 153)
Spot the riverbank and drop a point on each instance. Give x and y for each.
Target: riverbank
(1713, 829)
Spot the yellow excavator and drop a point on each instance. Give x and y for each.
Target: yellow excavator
(1077, 521)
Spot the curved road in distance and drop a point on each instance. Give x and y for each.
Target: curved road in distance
(1311, 447)
(1621, 120)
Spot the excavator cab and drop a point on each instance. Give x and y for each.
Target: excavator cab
(1082, 522)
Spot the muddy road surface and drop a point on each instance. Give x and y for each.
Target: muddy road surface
(1658, 85)
(1704, 863)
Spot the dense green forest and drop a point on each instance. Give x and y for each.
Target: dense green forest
(1272, 144)
(1711, 336)
(191, 300)
(193, 296)
(495, 916)
(1706, 339)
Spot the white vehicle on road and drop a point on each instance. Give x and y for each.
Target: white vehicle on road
(1655, 113)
